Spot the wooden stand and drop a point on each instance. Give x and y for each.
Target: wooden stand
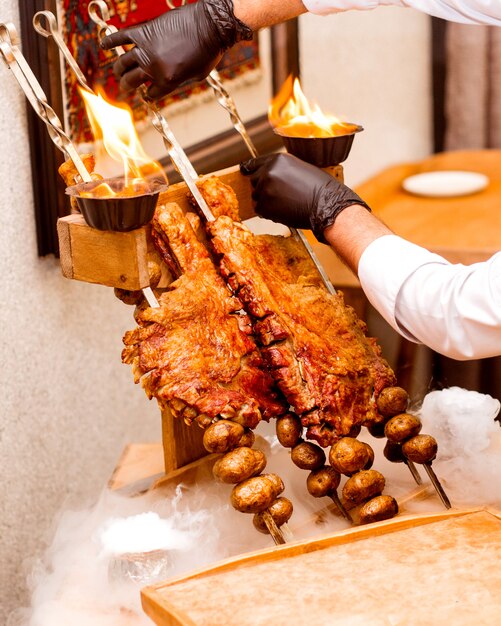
(182, 444)
(121, 260)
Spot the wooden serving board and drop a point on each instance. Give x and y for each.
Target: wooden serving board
(415, 570)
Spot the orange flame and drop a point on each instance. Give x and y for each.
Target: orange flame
(292, 114)
(114, 126)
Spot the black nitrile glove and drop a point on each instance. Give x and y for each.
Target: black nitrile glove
(297, 194)
(182, 44)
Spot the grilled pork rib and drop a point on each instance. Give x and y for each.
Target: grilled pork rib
(196, 353)
(315, 346)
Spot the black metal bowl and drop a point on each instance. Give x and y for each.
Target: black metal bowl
(117, 213)
(320, 151)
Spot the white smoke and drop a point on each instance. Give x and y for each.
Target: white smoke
(101, 558)
(469, 451)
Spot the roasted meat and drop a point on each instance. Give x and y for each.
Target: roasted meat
(196, 353)
(221, 198)
(69, 172)
(315, 346)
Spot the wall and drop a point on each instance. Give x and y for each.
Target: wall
(372, 67)
(67, 403)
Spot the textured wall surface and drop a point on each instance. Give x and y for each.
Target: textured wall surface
(372, 67)
(67, 405)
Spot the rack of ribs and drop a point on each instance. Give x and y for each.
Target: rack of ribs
(196, 353)
(316, 348)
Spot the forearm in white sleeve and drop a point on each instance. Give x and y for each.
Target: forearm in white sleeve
(453, 309)
(463, 11)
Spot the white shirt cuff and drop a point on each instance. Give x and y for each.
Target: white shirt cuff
(324, 7)
(384, 267)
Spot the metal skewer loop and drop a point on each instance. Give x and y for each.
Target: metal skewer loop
(14, 59)
(51, 30)
(227, 102)
(100, 14)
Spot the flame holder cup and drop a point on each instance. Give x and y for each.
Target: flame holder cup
(121, 212)
(320, 151)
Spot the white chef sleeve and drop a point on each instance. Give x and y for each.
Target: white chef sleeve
(463, 11)
(453, 309)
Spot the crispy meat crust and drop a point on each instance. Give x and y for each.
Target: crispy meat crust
(221, 198)
(196, 353)
(316, 347)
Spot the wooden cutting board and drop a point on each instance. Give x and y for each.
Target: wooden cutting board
(414, 571)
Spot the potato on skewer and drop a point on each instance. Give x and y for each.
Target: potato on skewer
(378, 509)
(280, 510)
(363, 485)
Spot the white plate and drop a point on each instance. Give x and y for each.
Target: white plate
(445, 184)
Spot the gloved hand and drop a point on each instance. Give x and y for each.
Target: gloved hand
(295, 193)
(182, 44)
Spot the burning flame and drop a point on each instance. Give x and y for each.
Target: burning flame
(292, 114)
(114, 127)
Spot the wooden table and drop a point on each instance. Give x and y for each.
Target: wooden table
(463, 230)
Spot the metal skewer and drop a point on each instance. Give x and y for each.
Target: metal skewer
(437, 485)
(228, 104)
(273, 529)
(413, 470)
(15, 61)
(344, 512)
(100, 14)
(51, 30)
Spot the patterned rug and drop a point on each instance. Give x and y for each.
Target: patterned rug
(97, 65)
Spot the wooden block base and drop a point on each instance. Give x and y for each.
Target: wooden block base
(182, 444)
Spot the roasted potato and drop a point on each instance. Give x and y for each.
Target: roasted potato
(376, 429)
(393, 452)
(248, 438)
(363, 486)
(402, 427)
(355, 430)
(256, 494)
(280, 510)
(239, 464)
(370, 452)
(420, 449)
(378, 509)
(129, 297)
(323, 481)
(154, 273)
(392, 401)
(289, 430)
(308, 456)
(349, 455)
(222, 436)
(277, 482)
